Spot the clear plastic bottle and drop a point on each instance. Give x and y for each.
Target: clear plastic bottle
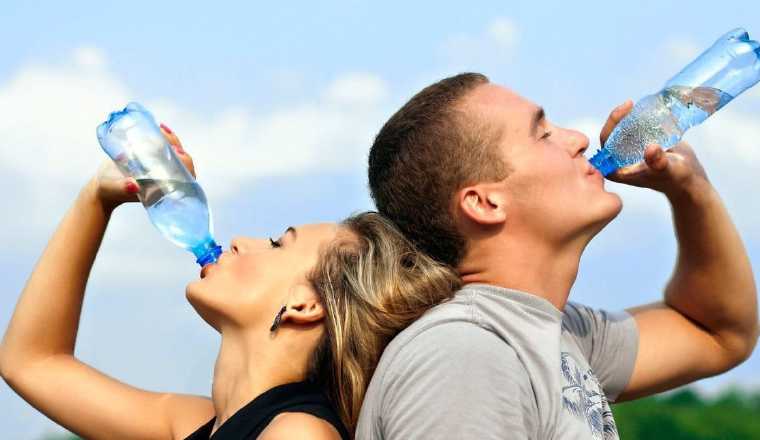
(718, 75)
(175, 202)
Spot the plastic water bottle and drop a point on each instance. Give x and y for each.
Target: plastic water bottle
(175, 202)
(722, 72)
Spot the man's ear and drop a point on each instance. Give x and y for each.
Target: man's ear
(303, 307)
(484, 203)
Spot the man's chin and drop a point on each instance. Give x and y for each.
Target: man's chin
(617, 206)
(609, 209)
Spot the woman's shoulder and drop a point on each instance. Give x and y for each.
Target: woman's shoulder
(290, 425)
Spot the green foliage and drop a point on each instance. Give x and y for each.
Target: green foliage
(684, 414)
(61, 437)
(681, 415)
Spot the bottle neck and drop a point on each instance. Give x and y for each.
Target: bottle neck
(208, 253)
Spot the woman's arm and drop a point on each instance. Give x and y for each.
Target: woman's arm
(37, 352)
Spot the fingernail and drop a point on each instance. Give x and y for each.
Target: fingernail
(178, 149)
(132, 187)
(167, 129)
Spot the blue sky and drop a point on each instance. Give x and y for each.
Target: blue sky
(278, 105)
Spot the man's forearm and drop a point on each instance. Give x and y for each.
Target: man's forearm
(713, 283)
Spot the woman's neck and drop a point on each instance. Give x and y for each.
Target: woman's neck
(246, 367)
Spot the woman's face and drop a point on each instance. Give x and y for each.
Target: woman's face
(253, 279)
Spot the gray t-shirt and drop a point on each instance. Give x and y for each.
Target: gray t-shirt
(496, 363)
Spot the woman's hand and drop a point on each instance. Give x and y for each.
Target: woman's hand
(37, 352)
(112, 189)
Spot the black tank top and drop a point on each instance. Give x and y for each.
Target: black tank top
(249, 421)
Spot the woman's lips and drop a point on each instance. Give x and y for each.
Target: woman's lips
(205, 270)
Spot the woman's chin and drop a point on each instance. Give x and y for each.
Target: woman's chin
(196, 296)
(192, 291)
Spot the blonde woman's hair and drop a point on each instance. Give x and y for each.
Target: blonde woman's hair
(372, 283)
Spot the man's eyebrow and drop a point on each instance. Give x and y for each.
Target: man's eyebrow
(538, 115)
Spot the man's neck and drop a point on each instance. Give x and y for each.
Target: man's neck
(532, 267)
(246, 368)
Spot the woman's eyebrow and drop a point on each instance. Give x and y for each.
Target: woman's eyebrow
(292, 230)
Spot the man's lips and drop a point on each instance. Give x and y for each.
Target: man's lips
(591, 171)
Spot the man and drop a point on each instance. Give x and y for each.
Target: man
(478, 177)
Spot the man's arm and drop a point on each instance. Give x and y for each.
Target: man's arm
(707, 322)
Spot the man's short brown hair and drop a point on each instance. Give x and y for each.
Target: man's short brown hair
(425, 153)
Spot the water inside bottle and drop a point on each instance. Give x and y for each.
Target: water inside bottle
(662, 119)
(178, 209)
(692, 105)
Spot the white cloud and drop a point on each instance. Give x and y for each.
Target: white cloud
(504, 32)
(497, 40)
(357, 89)
(88, 56)
(48, 116)
(332, 131)
(679, 51)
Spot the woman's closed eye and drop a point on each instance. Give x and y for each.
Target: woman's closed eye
(275, 243)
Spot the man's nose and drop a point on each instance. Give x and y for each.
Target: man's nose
(578, 142)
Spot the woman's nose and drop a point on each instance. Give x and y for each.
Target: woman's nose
(240, 245)
(237, 246)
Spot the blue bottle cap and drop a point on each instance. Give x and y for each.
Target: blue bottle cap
(211, 256)
(604, 162)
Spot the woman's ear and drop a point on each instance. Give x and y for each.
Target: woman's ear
(303, 307)
(484, 203)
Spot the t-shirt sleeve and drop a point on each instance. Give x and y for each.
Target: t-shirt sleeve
(610, 342)
(449, 382)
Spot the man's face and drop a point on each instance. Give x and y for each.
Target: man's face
(553, 191)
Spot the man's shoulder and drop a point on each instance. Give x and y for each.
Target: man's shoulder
(583, 321)
(575, 317)
(445, 333)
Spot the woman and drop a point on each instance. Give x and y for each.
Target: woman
(303, 321)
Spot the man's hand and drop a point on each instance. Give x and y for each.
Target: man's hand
(707, 320)
(672, 172)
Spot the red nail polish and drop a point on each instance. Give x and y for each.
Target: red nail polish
(132, 187)
(167, 129)
(178, 149)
